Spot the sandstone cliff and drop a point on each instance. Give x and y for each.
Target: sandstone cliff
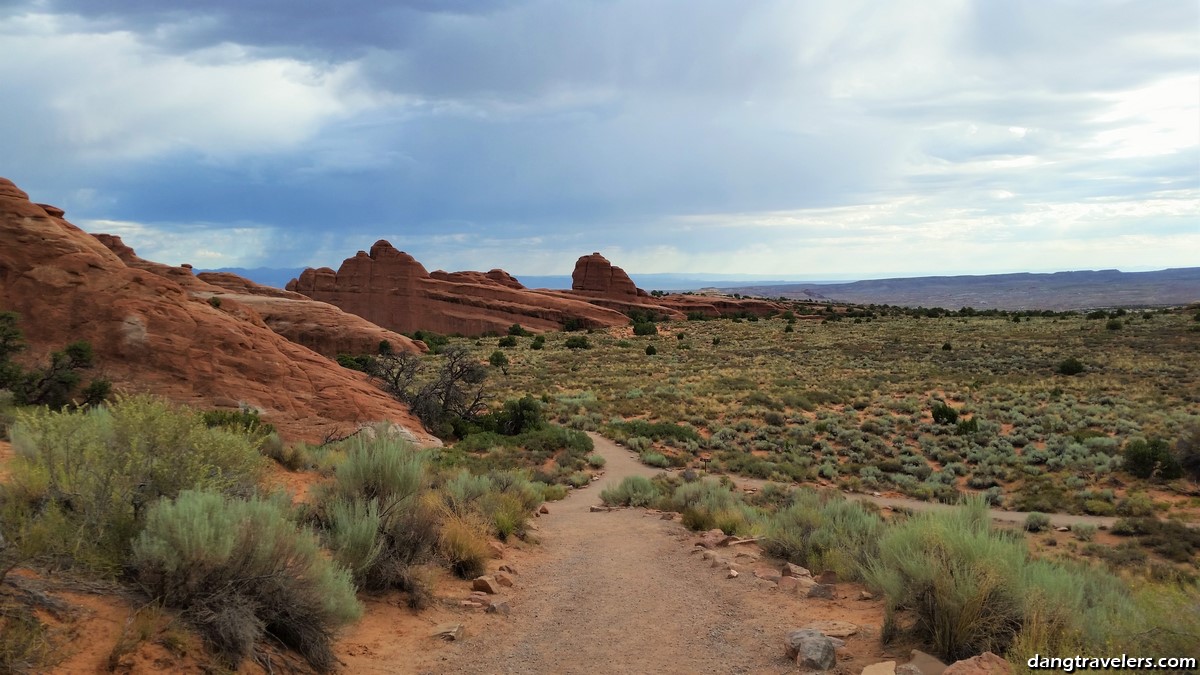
(152, 332)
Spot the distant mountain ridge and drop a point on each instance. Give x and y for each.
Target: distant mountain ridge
(1057, 291)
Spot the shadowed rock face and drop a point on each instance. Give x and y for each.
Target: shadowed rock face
(390, 288)
(154, 331)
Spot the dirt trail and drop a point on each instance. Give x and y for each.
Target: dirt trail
(620, 592)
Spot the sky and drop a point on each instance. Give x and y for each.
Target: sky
(847, 139)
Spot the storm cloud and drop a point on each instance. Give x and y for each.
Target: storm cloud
(801, 139)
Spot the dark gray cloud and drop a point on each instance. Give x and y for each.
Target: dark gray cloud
(698, 132)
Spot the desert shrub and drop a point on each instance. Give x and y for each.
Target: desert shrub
(824, 533)
(463, 542)
(239, 571)
(1187, 451)
(655, 459)
(499, 360)
(1036, 522)
(596, 461)
(1172, 540)
(56, 384)
(632, 491)
(578, 342)
(517, 416)
(82, 480)
(507, 341)
(1150, 459)
(1083, 531)
(359, 362)
(539, 342)
(1113, 324)
(518, 331)
(377, 521)
(651, 350)
(1070, 366)
(245, 421)
(26, 644)
(553, 493)
(654, 430)
(971, 589)
(944, 414)
(645, 328)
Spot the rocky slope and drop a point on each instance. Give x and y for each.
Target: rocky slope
(319, 326)
(152, 332)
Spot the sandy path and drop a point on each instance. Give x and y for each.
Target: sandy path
(620, 592)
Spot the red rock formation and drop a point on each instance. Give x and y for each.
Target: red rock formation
(390, 288)
(319, 326)
(594, 274)
(151, 334)
(607, 285)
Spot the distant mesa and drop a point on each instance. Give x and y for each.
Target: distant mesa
(154, 330)
(392, 289)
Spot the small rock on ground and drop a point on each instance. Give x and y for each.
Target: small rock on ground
(885, 668)
(822, 592)
(921, 664)
(986, 663)
(811, 649)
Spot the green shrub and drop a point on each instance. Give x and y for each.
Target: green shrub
(596, 461)
(971, 589)
(633, 491)
(1113, 324)
(1150, 459)
(1036, 522)
(655, 459)
(518, 331)
(651, 350)
(1070, 366)
(1083, 531)
(378, 489)
(241, 571)
(82, 479)
(499, 360)
(507, 341)
(944, 414)
(645, 328)
(539, 342)
(824, 532)
(360, 362)
(578, 342)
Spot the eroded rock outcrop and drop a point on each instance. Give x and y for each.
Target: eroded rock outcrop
(595, 274)
(319, 326)
(390, 288)
(152, 333)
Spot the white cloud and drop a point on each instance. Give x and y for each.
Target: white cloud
(110, 96)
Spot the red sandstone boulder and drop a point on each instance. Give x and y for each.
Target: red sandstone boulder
(152, 333)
